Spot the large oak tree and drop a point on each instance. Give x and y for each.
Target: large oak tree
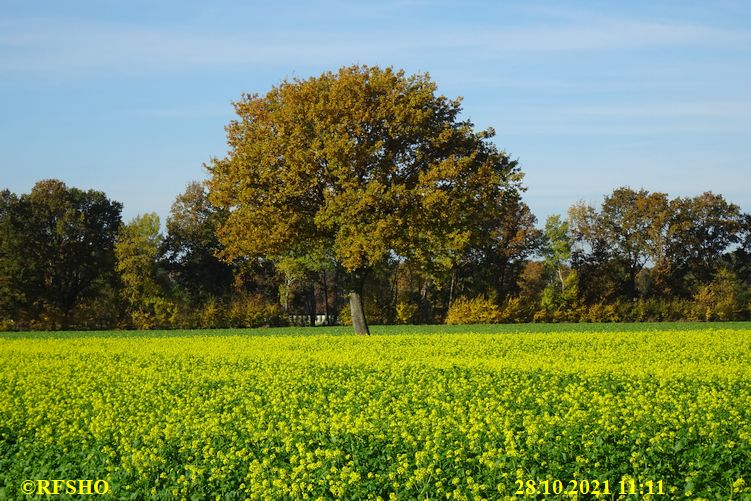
(357, 167)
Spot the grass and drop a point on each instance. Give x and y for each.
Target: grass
(394, 330)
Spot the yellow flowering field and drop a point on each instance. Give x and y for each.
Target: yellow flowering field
(651, 414)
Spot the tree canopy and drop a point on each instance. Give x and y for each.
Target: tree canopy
(56, 247)
(682, 240)
(358, 166)
(365, 193)
(190, 247)
(137, 251)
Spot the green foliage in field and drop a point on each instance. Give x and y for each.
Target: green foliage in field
(406, 416)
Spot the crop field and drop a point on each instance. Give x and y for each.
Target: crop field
(467, 412)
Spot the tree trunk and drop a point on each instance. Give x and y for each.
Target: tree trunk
(312, 305)
(451, 289)
(287, 286)
(327, 310)
(335, 293)
(358, 314)
(632, 272)
(395, 290)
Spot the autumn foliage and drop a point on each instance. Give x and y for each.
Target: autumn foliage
(365, 191)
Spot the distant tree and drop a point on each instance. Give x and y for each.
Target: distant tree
(11, 264)
(556, 248)
(364, 165)
(600, 279)
(642, 243)
(551, 286)
(137, 251)
(56, 248)
(626, 234)
(723, 298)
(702, 229)
(299, 276)
(739, 259)
(502, 242)
(532, 280)
(191, 246)
(503, 237)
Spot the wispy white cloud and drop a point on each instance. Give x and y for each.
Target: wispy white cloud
(624, 118)
(50, 45)
(72, 47)
(706, 109)
(610, 34)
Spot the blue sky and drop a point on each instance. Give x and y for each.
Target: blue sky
(131, 97)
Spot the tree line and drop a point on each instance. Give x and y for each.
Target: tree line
(361, 196)
(67, 261)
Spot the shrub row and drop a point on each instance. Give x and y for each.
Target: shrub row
(241, 311)
(515, 310)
